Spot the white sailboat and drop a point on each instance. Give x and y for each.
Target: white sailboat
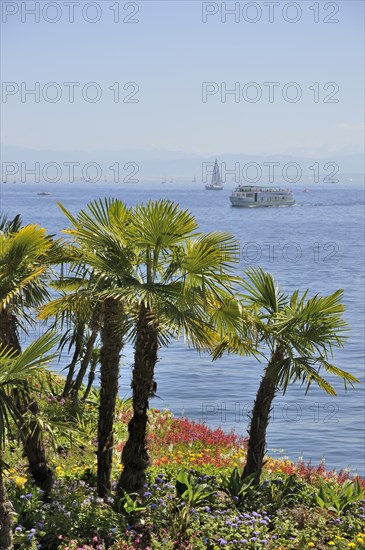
(164, 180)
(216, 183)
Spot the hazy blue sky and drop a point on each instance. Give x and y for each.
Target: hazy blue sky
(169, 53)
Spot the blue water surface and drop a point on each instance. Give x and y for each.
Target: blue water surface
(316, 244)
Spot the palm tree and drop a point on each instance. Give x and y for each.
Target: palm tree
(17, 371)
(180, 273)
(151, 282)
(77, 315)
(24, 261)
(299, 334)
(104, 258)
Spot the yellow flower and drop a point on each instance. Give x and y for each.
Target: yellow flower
(311, 544)
(331, 543)
(360, 539)
(20, 481)
(351, 545)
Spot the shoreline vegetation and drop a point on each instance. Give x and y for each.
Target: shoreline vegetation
(282, 513)
(80, 468)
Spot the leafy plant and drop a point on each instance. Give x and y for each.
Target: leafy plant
(338, 500)
(286, 491)
(192, 493)
(238, 487)
(130, 505)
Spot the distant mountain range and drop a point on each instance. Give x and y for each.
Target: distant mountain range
(156, 164)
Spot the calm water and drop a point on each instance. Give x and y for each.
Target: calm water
(317, 244)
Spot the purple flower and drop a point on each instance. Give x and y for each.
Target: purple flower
(222, 542)
(147, 494)
(264, 541)
(207, 509)
(253, 539)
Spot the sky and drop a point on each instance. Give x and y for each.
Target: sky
(162, 63)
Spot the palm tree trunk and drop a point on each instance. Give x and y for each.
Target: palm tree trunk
(6, 517)
(111, 345)
(91, 379)
(135, 456)
(71, 369)
(32, 439)
(84, 363)
(8, 330)
(259, 422)
(35, 450)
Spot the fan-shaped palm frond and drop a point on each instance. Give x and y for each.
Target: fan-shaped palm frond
(261, 291)
(15, 372)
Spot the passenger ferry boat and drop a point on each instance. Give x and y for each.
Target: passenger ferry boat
(251, 196)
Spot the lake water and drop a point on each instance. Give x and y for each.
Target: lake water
(317, 244)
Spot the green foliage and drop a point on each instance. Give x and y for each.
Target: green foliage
(287, 492)
(239, 488)
(339, 499)
(130, 505)
(17, 374)
(192, 493)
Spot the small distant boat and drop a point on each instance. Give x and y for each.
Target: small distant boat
(305, 190)
(216, 183)
(43, 193)
(164, 180)
(250, 196)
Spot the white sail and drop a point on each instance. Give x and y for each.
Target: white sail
(216, 177)
(216, 183)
